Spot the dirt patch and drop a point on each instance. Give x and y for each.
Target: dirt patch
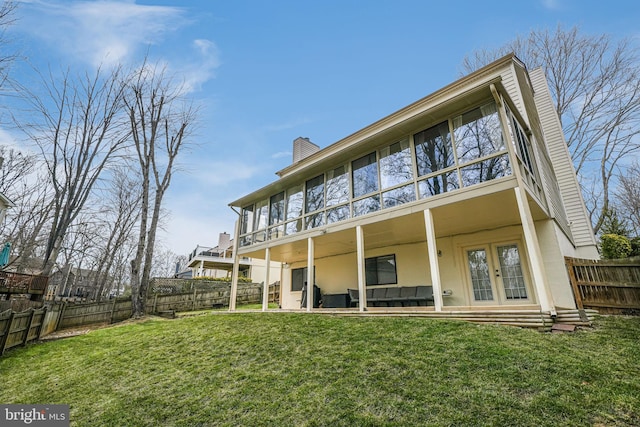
(82, 330)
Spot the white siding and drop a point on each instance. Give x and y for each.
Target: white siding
(558, 152)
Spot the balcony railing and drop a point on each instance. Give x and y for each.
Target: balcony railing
(18, 283)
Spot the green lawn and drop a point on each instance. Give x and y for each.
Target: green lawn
(286, 369)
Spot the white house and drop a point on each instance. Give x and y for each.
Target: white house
(469, 192)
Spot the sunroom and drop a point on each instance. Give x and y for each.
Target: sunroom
(456, 193)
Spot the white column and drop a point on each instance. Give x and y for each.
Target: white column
(310, 275)
(265, 290)
(362, 290)
(534, 253)
(201, 269)
(236, 269)
(433, 259)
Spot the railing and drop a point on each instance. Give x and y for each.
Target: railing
(17, 283)
(610, 286)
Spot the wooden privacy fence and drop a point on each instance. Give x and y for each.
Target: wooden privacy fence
(610, 286)
(20, 328)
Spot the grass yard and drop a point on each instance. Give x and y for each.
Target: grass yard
(286, 369)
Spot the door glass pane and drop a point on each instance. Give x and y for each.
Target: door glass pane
(511, 268)
(395, 164)
(480, 279)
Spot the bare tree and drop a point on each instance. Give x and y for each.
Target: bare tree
(160, 121)
(78, 130)
(628, 197)
(121, 207)
(21, 181)
(7, 10)
(596, 86)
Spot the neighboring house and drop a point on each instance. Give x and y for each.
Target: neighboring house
(72, 283)
(217, 262)
(5, 204)
(470, 191)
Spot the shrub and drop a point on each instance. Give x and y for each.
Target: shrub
(615, 246)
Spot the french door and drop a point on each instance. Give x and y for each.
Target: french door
(496, 274)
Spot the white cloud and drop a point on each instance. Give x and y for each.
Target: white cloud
(101, 32)
(551, 4)
(281, 154)
(203, 67)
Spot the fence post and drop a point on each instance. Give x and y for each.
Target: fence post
(26, 335)
(113, 309)
(5, 336)
(44, 316)
(62, 310)
(574, 282)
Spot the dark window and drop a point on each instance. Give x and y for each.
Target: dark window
(381, 270)
(276, 209)
(315, 194)
(433, 149)
(299, 277)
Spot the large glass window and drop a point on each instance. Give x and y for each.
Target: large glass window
(365, 175)
(276, 209)
(486, 170)
(247, 220)
(380, 270)
(337, 186)
(395, 164)
(433, 149)
(398, 196)
(438, 184)
(315, 194)
(338, 213)
(478, 133)
(366, 205)
(295, 200)
(260, 219)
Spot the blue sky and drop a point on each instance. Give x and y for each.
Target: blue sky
(266, 72)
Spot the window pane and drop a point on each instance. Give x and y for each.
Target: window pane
(380, 270)
(247, 220)
(298, 277)
(438, 184)
(275, 232)
(315, 194)
(365, 175)
(260, 219)
(245, 240)
(276, 209)
(315, 220)
(485, 170)
(260, 236)
(478, 133)
(294, 202)
(337, 186)
(395, 164)
(398, 196)
(337, 214)
(433, 149)
(294, 226)
(365, 206)
(480, 280)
